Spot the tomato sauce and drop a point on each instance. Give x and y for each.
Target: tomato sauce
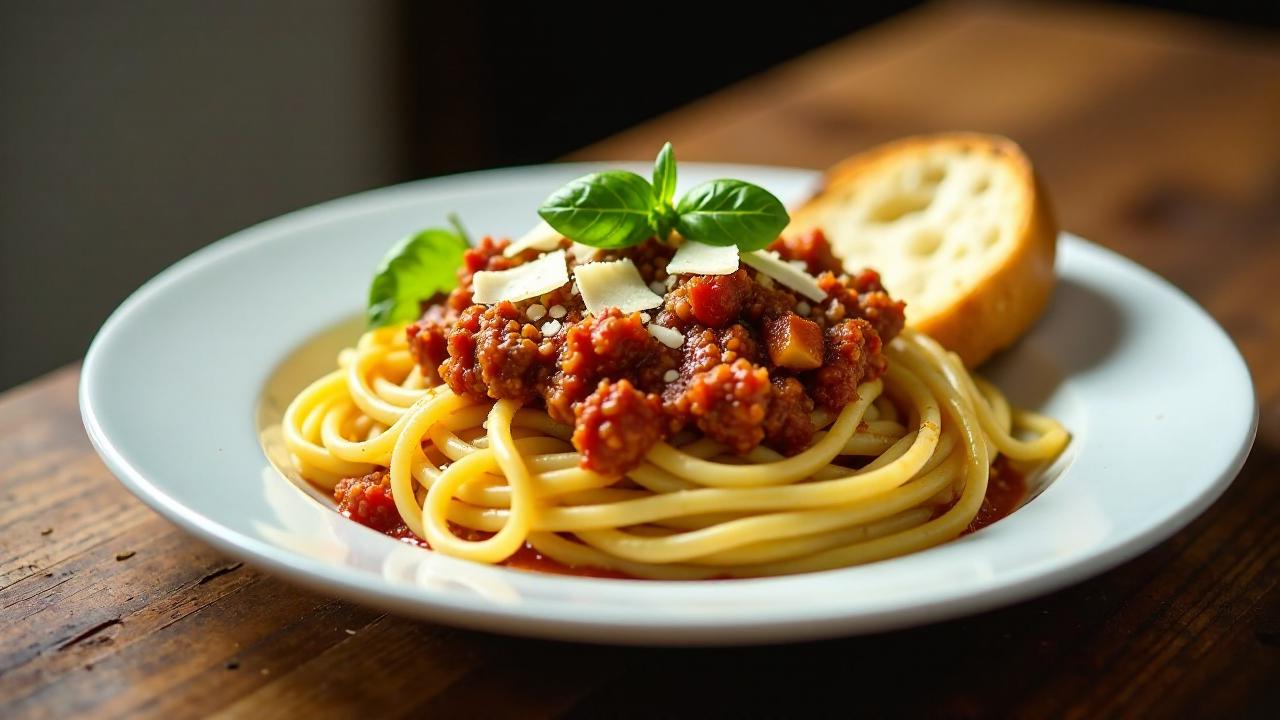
(1006, 490)
(528, 558)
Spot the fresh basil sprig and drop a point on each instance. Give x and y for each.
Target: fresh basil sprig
(618, 208)
(416, 268)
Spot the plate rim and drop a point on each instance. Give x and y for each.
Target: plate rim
(316, 574)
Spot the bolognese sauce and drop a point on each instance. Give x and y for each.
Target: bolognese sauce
(747, 364)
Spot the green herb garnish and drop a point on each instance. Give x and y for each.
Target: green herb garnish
(610, 209)
(731, 212)
(418, 267)
(606, 209)
(618, 208)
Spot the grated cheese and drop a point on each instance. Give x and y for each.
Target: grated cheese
(614, 284)
(531, 279)
(667, 336)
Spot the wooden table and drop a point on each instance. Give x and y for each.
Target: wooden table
(1158, 137)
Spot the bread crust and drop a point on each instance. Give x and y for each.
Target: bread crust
(1014, 292)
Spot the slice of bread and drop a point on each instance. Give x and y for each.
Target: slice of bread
(958, 226)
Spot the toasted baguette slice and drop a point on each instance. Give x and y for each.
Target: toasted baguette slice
(959, 228)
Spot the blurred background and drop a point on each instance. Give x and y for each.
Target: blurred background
(133, 133)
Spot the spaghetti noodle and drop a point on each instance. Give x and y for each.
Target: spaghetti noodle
(902, 468)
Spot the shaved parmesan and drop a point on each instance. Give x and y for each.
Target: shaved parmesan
(531, 279)
(614, 284)
(702, 259)
(542, 237)
(585, 253)
(771, 264)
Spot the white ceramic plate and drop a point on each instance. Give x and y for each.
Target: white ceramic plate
(1157, 398)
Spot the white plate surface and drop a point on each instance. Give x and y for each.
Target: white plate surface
(1158, 400)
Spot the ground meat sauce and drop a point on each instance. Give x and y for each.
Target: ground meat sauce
(788, 427)
(621, 422)
(756, 359)
(812, 249)
(611, 347)
(368, 501)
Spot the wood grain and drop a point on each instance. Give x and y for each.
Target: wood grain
(1157, 137)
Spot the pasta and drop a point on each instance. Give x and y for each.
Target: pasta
(903, 468)
(656, 390)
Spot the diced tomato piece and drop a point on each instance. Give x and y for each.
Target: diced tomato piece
(717, 299)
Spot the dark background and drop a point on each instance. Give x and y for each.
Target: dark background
(133, 133)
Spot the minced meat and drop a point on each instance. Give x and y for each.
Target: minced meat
(616, 425)
(368, 501)
(623, 390)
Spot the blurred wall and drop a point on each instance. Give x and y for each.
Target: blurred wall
(133, 133)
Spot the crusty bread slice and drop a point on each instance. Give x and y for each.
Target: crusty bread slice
(958, 226)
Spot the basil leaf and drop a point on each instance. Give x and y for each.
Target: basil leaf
(416, 268)
(731, 212)
(664, 175)
(606, 209)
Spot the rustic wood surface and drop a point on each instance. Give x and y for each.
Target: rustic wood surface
(1158, 136)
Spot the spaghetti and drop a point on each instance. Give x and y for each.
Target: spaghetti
(902, 468)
